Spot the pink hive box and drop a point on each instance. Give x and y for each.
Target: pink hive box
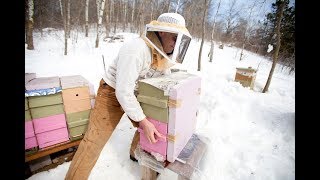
(51, 130)
(52, 137)
(172, 99)
(30, 138)
(158, 147)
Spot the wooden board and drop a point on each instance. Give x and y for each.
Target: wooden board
(52, 149)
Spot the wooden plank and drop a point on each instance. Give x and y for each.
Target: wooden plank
(52, 149)
(148, 173)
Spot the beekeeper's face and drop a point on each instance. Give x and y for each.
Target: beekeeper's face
(168, 41)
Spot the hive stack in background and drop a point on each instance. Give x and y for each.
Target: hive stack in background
(46, 108)
(246, 76)
(31, 143)
(78, 99)
(171, 103)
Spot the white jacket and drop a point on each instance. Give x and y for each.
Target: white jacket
(132, 64)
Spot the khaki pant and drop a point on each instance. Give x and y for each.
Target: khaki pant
(104, 118)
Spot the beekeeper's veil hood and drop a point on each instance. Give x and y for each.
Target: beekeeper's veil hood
(172, 23)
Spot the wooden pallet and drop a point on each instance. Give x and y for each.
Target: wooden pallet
(51, 149)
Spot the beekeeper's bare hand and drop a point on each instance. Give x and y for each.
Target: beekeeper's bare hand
(150, 131)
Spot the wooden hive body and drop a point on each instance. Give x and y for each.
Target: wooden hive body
(46, 110)
(246, 76)
(173, 101)
(78, 97)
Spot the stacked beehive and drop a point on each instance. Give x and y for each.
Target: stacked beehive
(31, 143)
(46, 108)
(246, 76)
(171, 103)
(78, 97)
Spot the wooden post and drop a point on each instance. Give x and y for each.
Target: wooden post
(148, 173)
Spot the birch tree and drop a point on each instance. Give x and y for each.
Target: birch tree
(30, 25)
(107, 17)
(280, 4)
(68, 18)
(205, 6)
(64, 16)
(100, 4)
(87, 17)
(212, 32)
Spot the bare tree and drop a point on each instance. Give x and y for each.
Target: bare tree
(212, 33)
(87, 17)
(141, 15)
(232, 14)
(64, 19)
(100, 3)
(68, 18)
(246, 29)
(278, 34)
(125, 22)
(107, 19)
(132, 14)
(205, 6)
(30, 25)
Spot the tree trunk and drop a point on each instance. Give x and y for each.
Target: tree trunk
(64, 20)
(124, 21)
(87, 17)
(40, 16)
(203, 32)
(68, 19)
(107, 19)
(100, 13)
(212, 33)
(275, 55)
(65, 17)
(30, 25)
(132, 15)
(141, 26)
(115, 17)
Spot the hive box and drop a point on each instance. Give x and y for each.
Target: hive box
(78, 97)
(161, 146)
(173, 100)
(38, 101)
(74, 81)
(50, 130)
(246, 76)
(75, 93)
(30, 138)
(45, 111)
(78, 123)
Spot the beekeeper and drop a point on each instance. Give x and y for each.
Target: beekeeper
(164, 43)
